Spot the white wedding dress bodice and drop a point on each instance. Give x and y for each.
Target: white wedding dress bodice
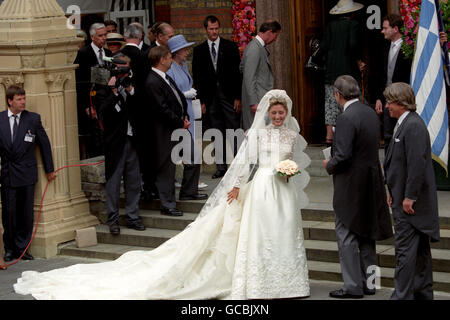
(251, 249)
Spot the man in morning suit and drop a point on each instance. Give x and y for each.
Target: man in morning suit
(217, 78)
(88, 57)
(20, 132)
(396, 68)
(118, 109)
(362, 215)
(257, 72)
(412, 196)
(140, 67)
(169, 113)
(142, 45)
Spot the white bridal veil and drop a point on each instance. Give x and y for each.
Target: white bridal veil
(246, 161)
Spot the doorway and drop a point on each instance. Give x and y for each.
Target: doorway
(309, 20)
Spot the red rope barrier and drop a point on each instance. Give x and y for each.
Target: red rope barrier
(42, 203)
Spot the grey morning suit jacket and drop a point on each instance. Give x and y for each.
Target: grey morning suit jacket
(257, 79)
(359, 199)
(410, 174)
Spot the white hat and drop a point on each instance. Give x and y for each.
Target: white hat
(346, 6)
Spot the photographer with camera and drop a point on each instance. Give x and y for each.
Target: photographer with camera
(117, 106)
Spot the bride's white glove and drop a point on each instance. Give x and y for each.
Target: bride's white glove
(191, 94)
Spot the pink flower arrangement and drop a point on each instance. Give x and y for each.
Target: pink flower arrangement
(410, 11)
(244, 23)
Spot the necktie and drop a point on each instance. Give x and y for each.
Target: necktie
(174, 90)
(213, 51)
(267, 50)
(15, 126)
(395, 128)
(391, 52)
(100, 56)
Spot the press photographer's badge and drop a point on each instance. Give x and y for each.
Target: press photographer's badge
(30, 137)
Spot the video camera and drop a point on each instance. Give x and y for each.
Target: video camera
(102, 74)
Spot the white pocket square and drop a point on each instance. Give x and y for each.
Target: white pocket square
(397, 140)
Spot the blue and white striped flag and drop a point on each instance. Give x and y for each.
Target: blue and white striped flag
(427, 80)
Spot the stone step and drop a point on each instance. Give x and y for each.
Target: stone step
(324, 212)
(327, 251)
(322, 261)
(154, 219)
(313, 212)
(324, 251)
(155, 205)
(325, 231)
(331, 271)
(102, 251)
(150, 238)
(316, 168)
(319, 229)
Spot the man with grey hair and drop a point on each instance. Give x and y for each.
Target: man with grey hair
(140, 67)
(362, 215)
(412, 196)
(142, 45)
(88, 57)
(163, 32)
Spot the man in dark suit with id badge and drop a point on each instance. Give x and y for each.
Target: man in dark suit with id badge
(20, 132)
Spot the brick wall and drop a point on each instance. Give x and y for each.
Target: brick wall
(187, 16)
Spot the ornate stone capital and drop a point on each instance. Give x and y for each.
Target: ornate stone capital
(10, 79)
(26, 9)
(33, 62)
(56, 80)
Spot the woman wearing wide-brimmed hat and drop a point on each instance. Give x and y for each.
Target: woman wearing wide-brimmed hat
(179, 72)
(341, 48)
(115, 42)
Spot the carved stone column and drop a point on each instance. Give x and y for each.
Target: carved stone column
(37, 51)
(280, 51)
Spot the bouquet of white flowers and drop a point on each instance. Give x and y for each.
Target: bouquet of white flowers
(288, 169)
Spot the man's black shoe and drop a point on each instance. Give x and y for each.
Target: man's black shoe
(218, 174)
(114, 229)
(341, 294)
(171, 212)
(198, 196)
(27, 256)
(9, 256)
(136, 225)
(368, 292)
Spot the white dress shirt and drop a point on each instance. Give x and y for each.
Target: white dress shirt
(97, 53)
(134, 45)
(260, 41)
(349, 102)
(395, 48)
(11, 120)
(400, 120)
(216, 46)
(162, 74)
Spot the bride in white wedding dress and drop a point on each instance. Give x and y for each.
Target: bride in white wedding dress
(247, 242)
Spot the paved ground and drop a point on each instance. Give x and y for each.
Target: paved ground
(319, 289)
(320, 192)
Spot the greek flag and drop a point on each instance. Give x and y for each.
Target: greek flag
(427, 80)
